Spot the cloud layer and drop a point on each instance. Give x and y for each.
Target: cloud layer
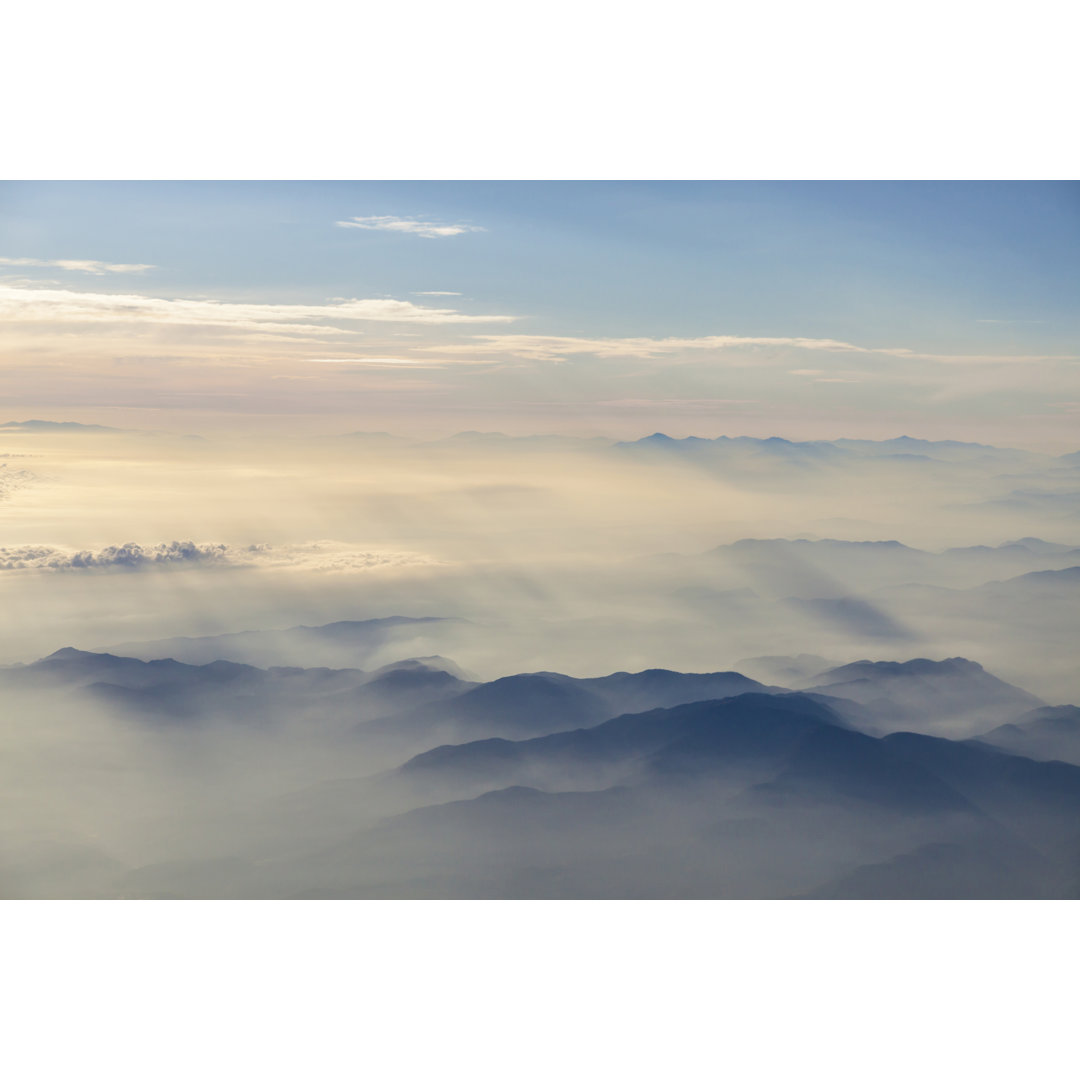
(50, 306)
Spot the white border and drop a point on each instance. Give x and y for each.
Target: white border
(540, 990)
(588, 89)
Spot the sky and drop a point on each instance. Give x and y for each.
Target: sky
(807, 310)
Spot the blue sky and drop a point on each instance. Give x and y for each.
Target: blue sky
(985, 271)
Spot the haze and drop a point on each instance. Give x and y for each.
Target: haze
(562, 540)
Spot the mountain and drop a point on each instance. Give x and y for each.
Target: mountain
(990, 866)
(394, 711)
(58, 426)
(831, 568)
(902, 449)
(947, 450)
(741, 449)
(547, 786)
(956, 696)
(754, 796)
(1037, 583)
(622, 747)
(324, 698)
(1042, 547)
(529, 705)
(1048, 734)
(338, 644)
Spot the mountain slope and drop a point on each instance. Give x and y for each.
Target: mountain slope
(953, 697)
(1052, 733)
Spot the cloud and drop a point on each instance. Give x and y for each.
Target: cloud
(436, 292)
(52, 306)
(551, 347)
(556, 348)
(82, 266)
(389, 223)
(394, 360)
(674, 403)
(328, 556)
(320, 555)
(13, 479)
(423, 362)
(128, 556)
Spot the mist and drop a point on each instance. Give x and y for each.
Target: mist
(368, 665)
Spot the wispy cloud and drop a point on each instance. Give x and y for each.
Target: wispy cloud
(52, 306)
(550, 347)
(819, 376)
(674, 403)
(392, 360)
(82, 266)
(389, 223)
(436, 292)
(555, 348)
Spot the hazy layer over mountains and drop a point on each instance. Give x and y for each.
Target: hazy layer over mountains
(366, 666)
(133, 778)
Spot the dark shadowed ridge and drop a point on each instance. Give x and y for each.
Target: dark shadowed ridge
(692, 734)
(541, 703)
(902, 785)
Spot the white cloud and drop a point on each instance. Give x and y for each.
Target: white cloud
(389, 223)
(554, 348)
(550, 347)
(328, 556)
(128, 556)
(436, 292)
(83, 266)
(51, 306)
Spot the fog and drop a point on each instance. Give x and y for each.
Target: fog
(295, 666)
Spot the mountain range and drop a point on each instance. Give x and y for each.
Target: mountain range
(871, 780)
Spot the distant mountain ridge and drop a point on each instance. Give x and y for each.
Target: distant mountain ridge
(903, 448)
(54, 425)
(339, 644)
(1051, 733)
